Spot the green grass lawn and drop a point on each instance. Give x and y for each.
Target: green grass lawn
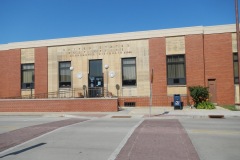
(230, 107)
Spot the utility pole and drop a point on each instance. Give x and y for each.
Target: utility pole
(238, 47)
(151, 83)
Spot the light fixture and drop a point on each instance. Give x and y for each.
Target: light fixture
(106, 66)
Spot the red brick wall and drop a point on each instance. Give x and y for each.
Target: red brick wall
(10, 71)
(41, 70)
(194, 67)
(194, 61)
(219, 65)
(157, 61)
(140, 101)
(59, 105)
(145, 101)
(4, 76)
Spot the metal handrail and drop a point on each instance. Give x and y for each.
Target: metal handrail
(68, 93)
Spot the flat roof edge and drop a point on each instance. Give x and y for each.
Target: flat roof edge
(121, 36)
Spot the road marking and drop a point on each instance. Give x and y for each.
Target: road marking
(216, 132)
(124, 141)
(9, 127)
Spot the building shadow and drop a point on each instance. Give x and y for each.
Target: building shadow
(164, 113)
(23, 150)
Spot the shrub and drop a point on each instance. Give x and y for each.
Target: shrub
(205, 105)
(199, 94)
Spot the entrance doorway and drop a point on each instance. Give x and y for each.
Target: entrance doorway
(95, 78)
(212, 90)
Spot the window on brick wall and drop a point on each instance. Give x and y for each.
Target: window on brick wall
(176, 70)
(27, 76)
(64, 74)
(129, 77)
(235, 68)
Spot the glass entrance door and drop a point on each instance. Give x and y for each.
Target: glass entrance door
(95, 78)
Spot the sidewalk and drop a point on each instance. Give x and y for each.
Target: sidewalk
(137, 112)
(187, 112)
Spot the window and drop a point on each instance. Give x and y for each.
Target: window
(95, 68)
(129, 71)
(27, 76)
(64, 74)
(235, 68)
(176, 70)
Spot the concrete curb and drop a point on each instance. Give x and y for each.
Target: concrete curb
(135, 112)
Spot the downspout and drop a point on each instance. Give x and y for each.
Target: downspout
(204, 65)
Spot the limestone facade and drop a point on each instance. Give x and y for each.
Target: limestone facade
(110, 53)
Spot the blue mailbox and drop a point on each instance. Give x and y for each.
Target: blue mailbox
(177, 101)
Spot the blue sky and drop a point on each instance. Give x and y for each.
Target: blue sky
(27, 20)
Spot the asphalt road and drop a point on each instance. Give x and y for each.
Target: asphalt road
(89, 140)
(103, 138)
(214, 139)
